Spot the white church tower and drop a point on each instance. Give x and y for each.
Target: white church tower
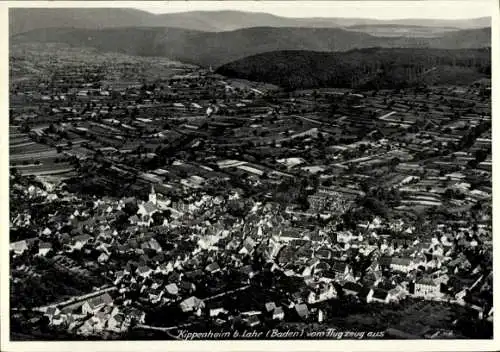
(152, 195)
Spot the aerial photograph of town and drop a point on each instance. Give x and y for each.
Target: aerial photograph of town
(241, 173)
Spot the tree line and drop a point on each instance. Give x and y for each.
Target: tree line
(372, 68)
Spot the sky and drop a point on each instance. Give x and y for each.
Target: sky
(394, 9)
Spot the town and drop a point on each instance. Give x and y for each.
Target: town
(150, 197)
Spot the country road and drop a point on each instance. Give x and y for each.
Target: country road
(76, 299)
(163, 329)
(226, 293)
(309, 119)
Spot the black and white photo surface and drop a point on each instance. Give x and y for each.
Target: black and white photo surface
(237, 171)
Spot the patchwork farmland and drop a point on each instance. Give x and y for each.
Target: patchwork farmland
(33, 158)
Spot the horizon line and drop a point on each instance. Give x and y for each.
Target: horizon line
(315, 17)
(440, 10)
(254, 12)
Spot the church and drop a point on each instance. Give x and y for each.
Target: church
(153, 205)
(158, 200)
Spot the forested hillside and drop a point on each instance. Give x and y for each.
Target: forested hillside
(365, 68)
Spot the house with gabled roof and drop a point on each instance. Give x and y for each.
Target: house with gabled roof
(385, 262)
(291, 234)
(378, 295)
(193, 274)
(307, 268)
(152, 244)
(248, 246)
(89, 327)
(302, 310)
(134, 314)
(187, 287)
(233, 244)
(120, 275)
(44, 248)
(422, 246)
(402, 264)
(103, 258)
(322, 291)
(192, 304)
(246, 273)
(352, 288)
(172, 289)
(426, 288)
(321, 267)
(77, 242)
(285, 255)
(399, 292)
(174, 276)
(251, 321)
(374, 267)
(372, 278)
(134, 220)
(345, 237)
(270, 306)
(214, 312)
(51, 313)
(323, 253)
(213, 268)
(342, 269)
(278, 313)
(60, 319)
(459, 263)
(147, 208)
(144, 271)
(118, 323)
(165, 268)
(328, 276)
(145, 213)
(92, 305)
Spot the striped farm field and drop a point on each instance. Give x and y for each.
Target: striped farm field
(32, 155)
(29, 147)
(46, 172)
(14, 135)
(17, 141)
(45, 168)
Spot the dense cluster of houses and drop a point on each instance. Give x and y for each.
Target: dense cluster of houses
(182, 262)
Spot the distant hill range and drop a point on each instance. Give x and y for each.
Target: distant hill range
(28, 19)
(218, 48)
(397, 30)
(365, 68)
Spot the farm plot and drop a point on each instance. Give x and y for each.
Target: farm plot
(49, 168)
(32, 158)
(28, 147)
(32, 155)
